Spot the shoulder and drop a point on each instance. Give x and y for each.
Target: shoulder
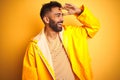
(38, 37)
(34, 41)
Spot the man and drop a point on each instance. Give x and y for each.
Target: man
(60, 52)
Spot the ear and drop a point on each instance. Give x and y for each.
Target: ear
(46, 19)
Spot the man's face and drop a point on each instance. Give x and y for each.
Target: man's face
(56, 19)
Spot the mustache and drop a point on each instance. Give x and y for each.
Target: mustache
(60, 22)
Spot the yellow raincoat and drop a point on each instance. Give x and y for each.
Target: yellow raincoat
(37, 64)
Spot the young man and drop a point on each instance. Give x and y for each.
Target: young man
(60, 52)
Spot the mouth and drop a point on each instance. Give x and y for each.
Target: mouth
(60, 24)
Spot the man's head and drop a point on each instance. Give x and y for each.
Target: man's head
(51, 14)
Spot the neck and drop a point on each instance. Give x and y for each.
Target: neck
(50, 34)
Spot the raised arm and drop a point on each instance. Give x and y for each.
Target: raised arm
(89, 21)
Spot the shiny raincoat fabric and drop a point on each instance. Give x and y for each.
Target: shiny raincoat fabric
(37, 64)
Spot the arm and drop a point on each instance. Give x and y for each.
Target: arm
(90, 23)
(29, 66)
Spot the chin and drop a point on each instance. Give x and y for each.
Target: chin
(58, 30)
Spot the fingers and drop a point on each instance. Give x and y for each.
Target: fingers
(70, 9)
(68, 6)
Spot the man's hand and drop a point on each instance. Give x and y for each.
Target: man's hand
(71, 9)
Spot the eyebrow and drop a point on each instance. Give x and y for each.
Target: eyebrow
(59, 14)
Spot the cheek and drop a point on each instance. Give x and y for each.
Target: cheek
(56, 19)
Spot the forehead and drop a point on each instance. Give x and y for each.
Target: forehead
(56, 9)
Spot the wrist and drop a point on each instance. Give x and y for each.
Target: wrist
(79, 10)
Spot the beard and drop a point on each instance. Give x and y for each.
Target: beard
(55, 26)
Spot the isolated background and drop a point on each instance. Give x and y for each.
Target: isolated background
(20, 21)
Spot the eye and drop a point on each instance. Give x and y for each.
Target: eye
(58, 14)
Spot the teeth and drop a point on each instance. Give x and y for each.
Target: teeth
(60, 23)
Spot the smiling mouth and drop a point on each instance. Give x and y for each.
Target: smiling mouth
(60, 24)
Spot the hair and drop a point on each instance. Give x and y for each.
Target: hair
(47, 7)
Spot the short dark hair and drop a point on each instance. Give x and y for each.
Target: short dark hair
(47, 7)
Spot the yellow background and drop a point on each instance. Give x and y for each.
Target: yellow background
(20, 21)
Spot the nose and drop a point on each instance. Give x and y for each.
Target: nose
(61, 18)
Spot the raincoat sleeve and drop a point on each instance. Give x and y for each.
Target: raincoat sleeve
(29, 66)
(89, 21)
